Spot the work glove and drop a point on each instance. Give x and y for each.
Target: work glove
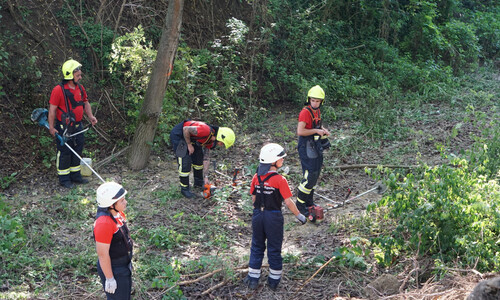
(301, 218)
(110, 285)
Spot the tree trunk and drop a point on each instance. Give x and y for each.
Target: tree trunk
(152, 105)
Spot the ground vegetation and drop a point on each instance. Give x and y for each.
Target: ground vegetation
(412, 102)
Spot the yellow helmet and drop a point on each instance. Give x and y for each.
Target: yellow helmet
(226, 135)
(69, 67)
(316, 92)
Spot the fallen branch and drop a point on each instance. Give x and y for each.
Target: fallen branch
(240, 269)
(310, 278)
(215, 287)
(109, 158)
(186, 282)
(422, 296)
(360, 166)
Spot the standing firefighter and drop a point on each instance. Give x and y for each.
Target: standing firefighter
(192, 142)
(113, 242)
(312, 142)
(68, 101)
(269, 190)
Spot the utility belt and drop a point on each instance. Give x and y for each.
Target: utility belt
(65, 130)
(262, 208)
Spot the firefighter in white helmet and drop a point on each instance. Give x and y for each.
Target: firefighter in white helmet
(113, 242)
(269, 190)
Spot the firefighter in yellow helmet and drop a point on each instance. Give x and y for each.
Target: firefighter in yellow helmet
(68, 101)
(192, 142)
(312, 141)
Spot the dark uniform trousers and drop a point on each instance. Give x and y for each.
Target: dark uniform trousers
(311, 159)
(123, 275)
(68, 164)
(267, 224)
(187, 162)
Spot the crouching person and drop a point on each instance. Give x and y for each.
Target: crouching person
(269, 190)
(113, 242)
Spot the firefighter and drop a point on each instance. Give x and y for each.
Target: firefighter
(312, 141)
(269, 190)
(67, 103)
(192, 142)
(113, 242)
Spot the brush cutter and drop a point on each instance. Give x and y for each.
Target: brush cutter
(39, 116)
(378, 187)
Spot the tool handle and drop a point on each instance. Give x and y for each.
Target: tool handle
(62, 140)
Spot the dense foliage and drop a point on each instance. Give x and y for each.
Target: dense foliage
(450, 212)
(375, 59)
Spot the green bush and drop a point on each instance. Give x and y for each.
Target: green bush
(447, 212)
(485, 153)
(488, 32)
(463, 50)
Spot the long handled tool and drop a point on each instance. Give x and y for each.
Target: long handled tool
(39, 115)
(378, 187)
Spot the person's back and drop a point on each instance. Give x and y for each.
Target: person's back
(269, 190)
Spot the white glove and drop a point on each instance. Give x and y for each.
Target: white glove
(301, 218)
(110, 285)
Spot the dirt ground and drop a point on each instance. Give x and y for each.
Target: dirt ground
(309, 240)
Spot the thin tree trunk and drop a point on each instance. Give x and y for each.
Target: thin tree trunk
(152, 105)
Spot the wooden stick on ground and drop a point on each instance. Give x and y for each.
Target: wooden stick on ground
(215, 287)
(310, 278)
(361, 166)
(186, 282)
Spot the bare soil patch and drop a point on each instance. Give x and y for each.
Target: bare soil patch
(309, 241)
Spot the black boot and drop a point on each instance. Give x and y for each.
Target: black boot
(76, 177)
(273, 283)
(80, 180)
(251, 283)
(302, 208)
(186, 192)
(67, 184)
(199, 183)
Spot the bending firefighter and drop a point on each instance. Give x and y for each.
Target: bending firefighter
(68, 101)
(192, 142)
(312, 142)
(269, 190)
(113, 242)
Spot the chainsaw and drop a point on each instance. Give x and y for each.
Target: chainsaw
(316, 213)
(208, 190)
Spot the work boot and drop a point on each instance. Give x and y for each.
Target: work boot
(199, 183)
(273, 283)
(302, 208)
(251, 282)
(80, 181)
(186, 192)
(67, 184)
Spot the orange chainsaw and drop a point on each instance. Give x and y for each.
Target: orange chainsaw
(208, 190)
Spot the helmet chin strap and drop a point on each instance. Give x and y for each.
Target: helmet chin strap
(113, 207)
(316, 107)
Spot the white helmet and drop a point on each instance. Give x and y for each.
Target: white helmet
(108, 193)
(271, 153)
